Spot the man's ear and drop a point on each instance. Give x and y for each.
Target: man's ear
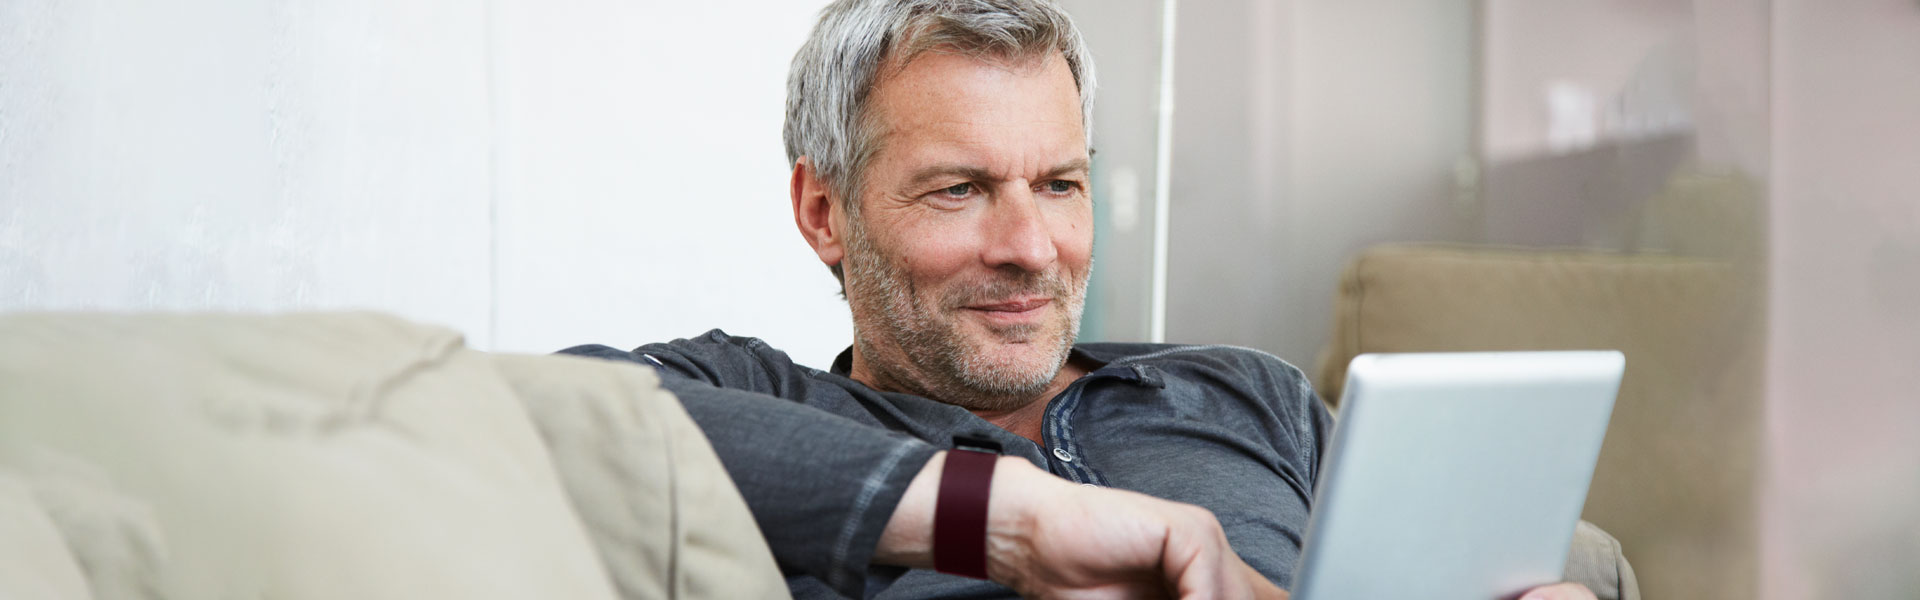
(814, 212)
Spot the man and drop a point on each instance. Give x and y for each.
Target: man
(940, 169)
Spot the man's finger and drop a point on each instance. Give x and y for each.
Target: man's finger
(1190, 573)
(1559, 591)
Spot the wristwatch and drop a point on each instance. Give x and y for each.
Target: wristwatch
(960, 511)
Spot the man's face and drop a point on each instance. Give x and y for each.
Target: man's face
(967, 265)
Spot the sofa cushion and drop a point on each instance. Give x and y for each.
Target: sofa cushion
(658, 504)
(298, 456)
(34, 561)
(1596, 559)
(1676, 478)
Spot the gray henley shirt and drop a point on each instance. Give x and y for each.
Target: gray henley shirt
(822, 460)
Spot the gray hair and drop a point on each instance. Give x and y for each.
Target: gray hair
(834, 72)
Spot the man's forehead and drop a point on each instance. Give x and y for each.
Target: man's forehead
(941, 73)
(955, 108)
(900, 59)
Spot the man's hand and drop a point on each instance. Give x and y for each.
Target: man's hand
(1049, 538)
(1069, 541)
(1559, 591)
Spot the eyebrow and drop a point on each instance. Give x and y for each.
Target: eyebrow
(924, 176)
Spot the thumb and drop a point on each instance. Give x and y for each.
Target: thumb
(1559, 591)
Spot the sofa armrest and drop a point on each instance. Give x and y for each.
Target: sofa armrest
(1596, 561)
(661, 509)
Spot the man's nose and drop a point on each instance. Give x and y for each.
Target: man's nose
(1017, 233)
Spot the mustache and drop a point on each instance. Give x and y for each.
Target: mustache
(1003, 286)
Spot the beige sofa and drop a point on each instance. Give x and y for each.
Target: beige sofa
(314, 456)
(1676, 478)
(348, 456)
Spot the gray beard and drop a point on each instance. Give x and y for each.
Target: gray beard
(928, 356)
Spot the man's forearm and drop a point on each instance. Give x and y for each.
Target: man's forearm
(1046, 536)
(821, 487)
(908, 540)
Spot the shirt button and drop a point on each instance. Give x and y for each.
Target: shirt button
(1091, 485)
(1061, 453)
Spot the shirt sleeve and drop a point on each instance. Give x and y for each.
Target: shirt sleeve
(1287, 416)
(821, 487)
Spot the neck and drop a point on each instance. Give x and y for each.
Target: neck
(1023, 420)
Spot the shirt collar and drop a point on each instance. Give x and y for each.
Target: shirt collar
(1102, 366)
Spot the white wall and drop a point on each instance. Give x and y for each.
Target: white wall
(544, 174)
(199, 154)
(1124, 36)
(533, 174)
(642, 182)
(1607, 48)
(1842, 509)
(1305, 132)
(1705, 59)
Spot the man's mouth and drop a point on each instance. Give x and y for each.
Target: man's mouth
(1018, 305)
(1018, 311)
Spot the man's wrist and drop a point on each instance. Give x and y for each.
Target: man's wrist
(1018, 495)
(1019, 491)
(960, 513)
(907, 540)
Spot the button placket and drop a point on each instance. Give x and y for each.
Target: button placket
(1060, 439)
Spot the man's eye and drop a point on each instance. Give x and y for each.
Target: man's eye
(1060, 187)
(961, 189)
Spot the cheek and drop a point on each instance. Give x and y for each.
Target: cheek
(1073, 237)
(937, 257)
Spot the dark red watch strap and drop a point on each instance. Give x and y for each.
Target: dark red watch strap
(960, 513)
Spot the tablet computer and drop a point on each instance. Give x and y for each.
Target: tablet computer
(1456, 475)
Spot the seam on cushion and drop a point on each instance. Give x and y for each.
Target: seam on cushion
(367, 397)
(868, 489)
(1355, 322)
(676, 515)
(1619, 574)
(1359, 310)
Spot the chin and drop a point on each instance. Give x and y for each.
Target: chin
(1027, 345)
(1029, 363)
